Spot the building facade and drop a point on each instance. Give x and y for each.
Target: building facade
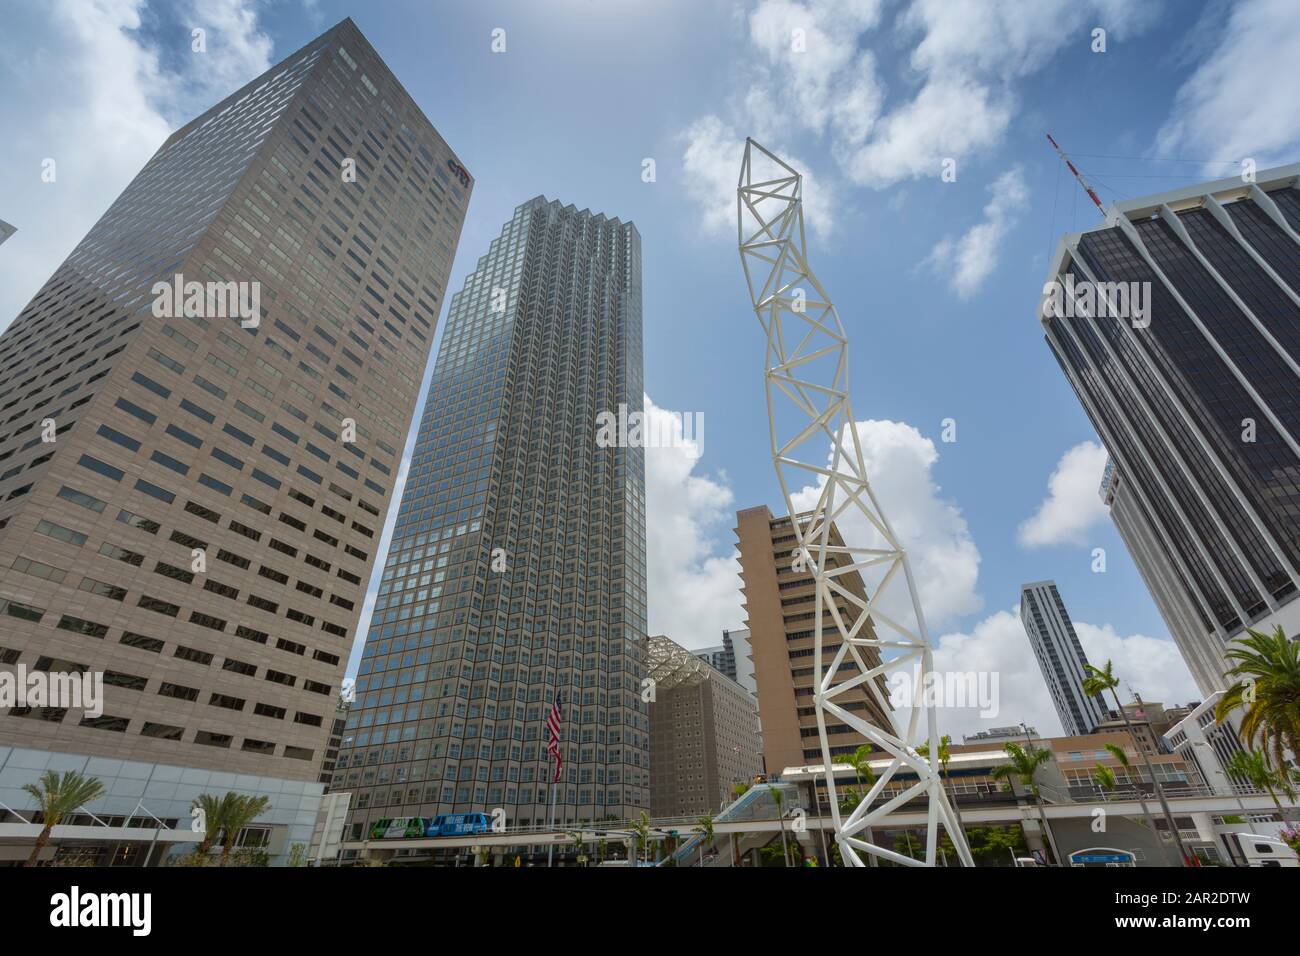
(516, 572)
(204, 410)
(1210, 746)
(1177, 324)
(703, 733)
(733, 657)
(1060, 657)
(780, 614)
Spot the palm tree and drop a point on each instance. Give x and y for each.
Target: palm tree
(1121, 758)
(706, 831)
(945, 754)
(212, 811)
(1024, 764)
(779, 799)
(641, 834)
(1100, 680)
(1104, 777)
(1253, 765)
(58, 797)
(239, 813)
(1266, 668)
(579, 843)
(860, 761)
(739, 790)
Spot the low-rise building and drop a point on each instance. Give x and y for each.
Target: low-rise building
(703, 733)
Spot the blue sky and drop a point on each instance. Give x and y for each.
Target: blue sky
(936, 282)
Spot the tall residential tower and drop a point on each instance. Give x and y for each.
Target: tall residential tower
(517, 565)
(1060, 657)
(1196, 396)
(203, 416)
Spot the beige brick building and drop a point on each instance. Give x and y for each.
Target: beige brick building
(704, 735)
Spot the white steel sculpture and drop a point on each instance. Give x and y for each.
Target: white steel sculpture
(807, 383)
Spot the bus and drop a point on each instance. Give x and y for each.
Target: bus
(394, 828)
(459, 824)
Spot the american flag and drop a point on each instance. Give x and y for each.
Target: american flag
(553, 721)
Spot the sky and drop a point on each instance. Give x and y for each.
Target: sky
(639, 109)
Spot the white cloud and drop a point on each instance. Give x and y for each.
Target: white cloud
(711, 164)
(900, 463)
(971, 258)
(1151, 666)
(1073, 505)
(1238, 103)
(958, 84)
(692, 567)
(811, 66)
(237, 50)
(85, 89)
(969, 55)
(998, 644)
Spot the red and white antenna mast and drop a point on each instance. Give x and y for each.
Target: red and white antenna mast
(1077, 175)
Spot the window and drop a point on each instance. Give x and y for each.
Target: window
(81, 498)
(178, 691)
(151, 644)
(136, 521)
(95, 465)
(149, 488)
(79, 626)
(61, 533)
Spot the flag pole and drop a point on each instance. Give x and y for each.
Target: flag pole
(550, 849)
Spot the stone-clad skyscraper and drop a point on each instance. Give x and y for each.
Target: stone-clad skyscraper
(1196, 396)
(517, 565)
(203, 528)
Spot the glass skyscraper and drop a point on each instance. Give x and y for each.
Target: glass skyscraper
(517, 566)
(1198, 400)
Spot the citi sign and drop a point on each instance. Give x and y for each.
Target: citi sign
(461, 172)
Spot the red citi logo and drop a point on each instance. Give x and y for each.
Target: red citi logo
(461, 172)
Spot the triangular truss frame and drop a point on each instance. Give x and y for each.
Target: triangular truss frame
(785, 295)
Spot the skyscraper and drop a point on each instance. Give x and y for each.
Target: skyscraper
(6, 230)
(204, 411)
(1196, 395)
(733, 657)
(517, 565)
(1060, 657)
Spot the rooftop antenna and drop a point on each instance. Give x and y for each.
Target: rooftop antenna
(1077, 175)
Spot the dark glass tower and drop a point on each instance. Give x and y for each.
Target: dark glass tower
(517, 566)
(1199, 401)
